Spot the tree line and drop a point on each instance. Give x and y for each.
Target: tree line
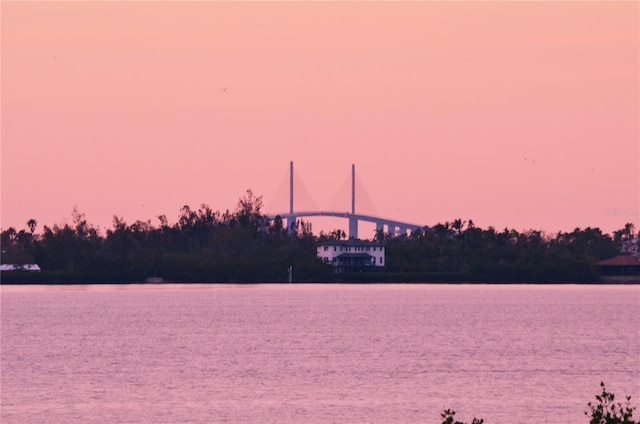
(245, 245)
(504, 256)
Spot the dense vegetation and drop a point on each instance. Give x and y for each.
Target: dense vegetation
(504, 256)
(203, 246)
(604, 411)
(246, 246)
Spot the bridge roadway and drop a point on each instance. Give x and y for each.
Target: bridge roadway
(392, 226)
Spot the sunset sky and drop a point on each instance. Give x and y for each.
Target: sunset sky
(513, 114)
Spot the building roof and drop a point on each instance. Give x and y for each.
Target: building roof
(621, 260)
(351, 242)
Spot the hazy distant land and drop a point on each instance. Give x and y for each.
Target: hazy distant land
(244, 246)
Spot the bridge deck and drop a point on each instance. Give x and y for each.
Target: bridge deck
(346, 215)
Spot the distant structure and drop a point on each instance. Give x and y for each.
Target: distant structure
(352, 255)
(392, 226)
(20, 267)
(624, 265)
(630, 246)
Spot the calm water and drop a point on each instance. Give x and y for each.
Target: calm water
(314, 353)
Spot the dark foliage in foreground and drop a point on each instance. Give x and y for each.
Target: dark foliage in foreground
(448, 416)
(605, 411)
(247, 246)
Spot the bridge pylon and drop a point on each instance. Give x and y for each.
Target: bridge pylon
(393, 226)
(353, 222)
(291, 220)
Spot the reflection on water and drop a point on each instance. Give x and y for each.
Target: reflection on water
(314, 353)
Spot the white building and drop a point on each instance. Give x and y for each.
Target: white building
(23, 267)
(631, 246)
(353, 255)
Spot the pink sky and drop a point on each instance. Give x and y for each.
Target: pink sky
(513, 114)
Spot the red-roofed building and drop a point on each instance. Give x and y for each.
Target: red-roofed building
(621, 265)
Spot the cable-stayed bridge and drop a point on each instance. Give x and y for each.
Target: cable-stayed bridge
(386, 225)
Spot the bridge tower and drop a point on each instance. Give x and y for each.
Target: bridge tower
(394, 227)
(353, 222)
(291, 221)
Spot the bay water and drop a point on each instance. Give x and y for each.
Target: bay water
(313, 353)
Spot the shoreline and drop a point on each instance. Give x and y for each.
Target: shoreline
(70, 278)
(603, 282)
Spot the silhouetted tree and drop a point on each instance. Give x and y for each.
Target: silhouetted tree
(448, 418)
(606, 411)
(32, 224)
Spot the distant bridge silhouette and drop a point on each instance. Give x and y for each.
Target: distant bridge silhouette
(390, 226)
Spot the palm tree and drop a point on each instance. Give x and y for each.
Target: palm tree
(458, 225)
(32, 224)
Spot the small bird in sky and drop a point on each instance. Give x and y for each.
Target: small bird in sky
(54, 57)
(224, 89)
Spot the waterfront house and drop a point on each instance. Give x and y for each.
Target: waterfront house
(621, 265)
(352, 255)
